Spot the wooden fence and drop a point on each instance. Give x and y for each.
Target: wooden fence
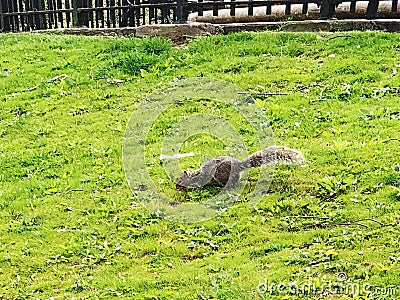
(26, 15)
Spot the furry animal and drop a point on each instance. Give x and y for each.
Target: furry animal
(225, 170)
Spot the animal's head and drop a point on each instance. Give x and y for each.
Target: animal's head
(184, 181)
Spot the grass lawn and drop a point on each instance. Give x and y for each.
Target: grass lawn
(70, 228)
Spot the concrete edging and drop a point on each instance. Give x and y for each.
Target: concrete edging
(179, 33)
(316, 25)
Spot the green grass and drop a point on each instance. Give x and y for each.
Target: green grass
(71, 229)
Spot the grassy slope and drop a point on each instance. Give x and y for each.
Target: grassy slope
(69, 226)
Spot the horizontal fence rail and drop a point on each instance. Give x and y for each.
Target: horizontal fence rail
(26, 15)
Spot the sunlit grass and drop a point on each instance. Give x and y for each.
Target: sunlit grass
(71, 228)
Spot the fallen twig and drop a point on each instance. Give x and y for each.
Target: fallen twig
(23, 91)
(114, 81)
(30, 89)
(391, 139)
(373, 220)
(307, 217)
(58, 77)
(263, 94)
(332, 224)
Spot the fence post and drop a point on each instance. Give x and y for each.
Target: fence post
(74, 14)
(80, 18)
(182, 11)
(394, 5)
(250, 8)
(232, 8)
(200, 8)
(327, 9)
(179, 10)
(4, 21)
(1, 16)
(372, 9)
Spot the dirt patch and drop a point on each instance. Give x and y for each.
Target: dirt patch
(179, 33)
